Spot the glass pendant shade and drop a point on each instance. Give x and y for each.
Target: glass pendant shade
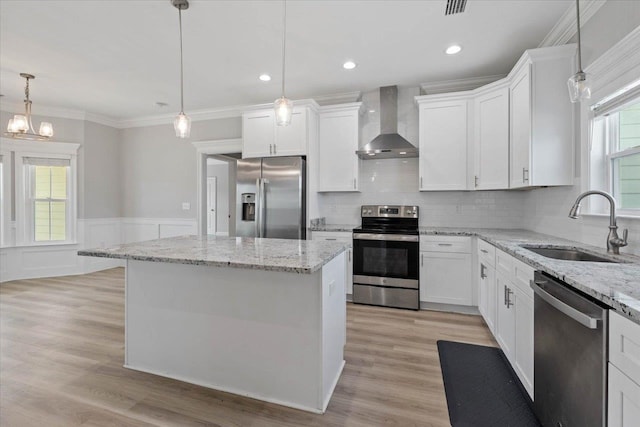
(46, 129)
(182, 126)
(579, 87)
(284, 111)
(18, 124)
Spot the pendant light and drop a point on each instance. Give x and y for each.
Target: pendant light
(282, 105)
(21, 127)
(578, 84)
(182, 123)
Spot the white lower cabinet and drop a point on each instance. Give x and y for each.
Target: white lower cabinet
(487, 297)
(524, 338)
(506, 317)
(339, 236)
(506, 304)
(445, 270)
(624, 400)
(624, 372)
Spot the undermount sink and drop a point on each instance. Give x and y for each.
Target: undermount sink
(567, 254)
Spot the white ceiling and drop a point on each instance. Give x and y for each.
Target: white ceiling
(118, 58)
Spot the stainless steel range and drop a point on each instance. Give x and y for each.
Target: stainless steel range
(386, 249)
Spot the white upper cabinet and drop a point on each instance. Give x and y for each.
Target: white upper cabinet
(516, 132)
(443, 143)
(258, 133)
(292, 140)
(338, 164)
(541, 118)
(491, 139)
(261, 137)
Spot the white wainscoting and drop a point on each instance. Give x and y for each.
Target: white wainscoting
(30, 262)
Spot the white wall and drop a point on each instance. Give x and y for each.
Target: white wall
(159, 170)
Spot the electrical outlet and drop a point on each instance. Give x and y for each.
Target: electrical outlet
(186, 206)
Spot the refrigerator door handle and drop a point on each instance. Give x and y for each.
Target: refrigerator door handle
(256, 223)
(263, 206)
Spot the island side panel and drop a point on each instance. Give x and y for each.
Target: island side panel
(250, 332)
(334, 329)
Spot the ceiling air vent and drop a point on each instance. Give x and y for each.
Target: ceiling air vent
(455, 6)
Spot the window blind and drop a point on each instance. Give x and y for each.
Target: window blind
(41, 161)
(617, 100)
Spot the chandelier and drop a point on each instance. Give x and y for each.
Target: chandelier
(21, 127)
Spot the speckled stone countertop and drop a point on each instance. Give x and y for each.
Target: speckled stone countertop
(616, 285)
(334, 227)
(295, 256)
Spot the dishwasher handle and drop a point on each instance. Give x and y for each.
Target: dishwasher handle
(577, 315)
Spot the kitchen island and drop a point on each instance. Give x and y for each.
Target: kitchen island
(263, 318)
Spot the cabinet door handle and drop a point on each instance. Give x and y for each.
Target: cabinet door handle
(354, 183)
(482, 267)
(275, 149)
(445, 244)
(420, 182)
(475, 180)
(505, 295)
(349, 252)
(270, 148)
(484, 251)
(525, 175)
(330, 238)
(509, 292)
(422, 260)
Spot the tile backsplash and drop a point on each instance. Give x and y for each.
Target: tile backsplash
(395, 181)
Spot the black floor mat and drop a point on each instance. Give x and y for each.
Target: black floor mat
(482, 389)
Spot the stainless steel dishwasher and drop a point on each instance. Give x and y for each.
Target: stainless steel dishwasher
(570, 356)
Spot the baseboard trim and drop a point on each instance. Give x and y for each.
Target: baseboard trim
(450, 308)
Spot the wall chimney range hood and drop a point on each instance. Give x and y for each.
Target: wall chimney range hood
(389, 144)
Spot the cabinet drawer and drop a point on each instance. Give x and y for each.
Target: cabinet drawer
(454, 244)
(487, 253)
(522, 276)
(339, 236)
(624, 345)
(504, 263)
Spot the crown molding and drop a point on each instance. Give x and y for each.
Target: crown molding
(61, 113)
(565, 28)
(458, 85)
(349, 106)
(195, 115)
(622, 58)
(338, 98)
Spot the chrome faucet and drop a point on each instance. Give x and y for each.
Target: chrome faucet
(614, 242)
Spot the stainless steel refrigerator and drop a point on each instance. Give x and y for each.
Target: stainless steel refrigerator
(271, 198)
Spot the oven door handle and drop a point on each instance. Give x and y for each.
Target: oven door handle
(387, 237)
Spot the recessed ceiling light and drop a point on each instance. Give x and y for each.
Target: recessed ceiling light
(371, 154)
(372, 111)
(453, 49)
(403, 152)
(349, 65)
(265, 77)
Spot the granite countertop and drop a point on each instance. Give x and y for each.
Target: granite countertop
(616, 285)
(295, 256)
(334, 227)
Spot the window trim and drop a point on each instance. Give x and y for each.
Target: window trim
(53, 150)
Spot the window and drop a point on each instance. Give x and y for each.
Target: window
(39, 192)
(615, 150)
(48, 198)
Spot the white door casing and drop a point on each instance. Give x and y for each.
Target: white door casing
(212, 204)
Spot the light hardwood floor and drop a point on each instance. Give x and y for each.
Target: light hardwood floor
(61, 356)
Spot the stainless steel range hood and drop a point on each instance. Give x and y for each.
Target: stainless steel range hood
(389, 144)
